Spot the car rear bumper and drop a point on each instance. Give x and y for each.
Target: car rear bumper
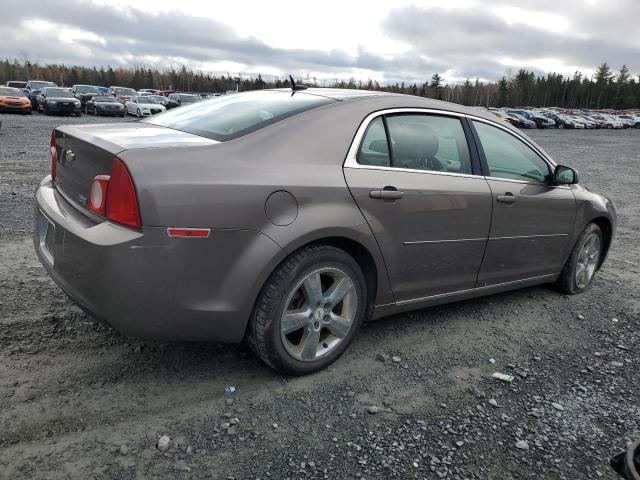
(146, 284)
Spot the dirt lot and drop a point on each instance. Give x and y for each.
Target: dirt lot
(81, 401)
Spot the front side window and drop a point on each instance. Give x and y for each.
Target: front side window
(428, 142)
(507, 157)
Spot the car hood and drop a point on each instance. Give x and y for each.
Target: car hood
(62, 99)
(12, 97)
(116, 137)
(149, 105)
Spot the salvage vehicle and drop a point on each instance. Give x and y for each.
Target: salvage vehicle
(16, 84)
(540, 120)
(34, 87)
(14, 100)
(179, 99)
(289, 216)
(143, 106)
(160, 99)
(122, 94)
(84, 93)
(53, 100)
(105, 105)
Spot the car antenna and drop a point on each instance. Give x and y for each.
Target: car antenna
(296, 86)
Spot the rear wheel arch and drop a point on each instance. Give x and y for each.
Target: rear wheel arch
(355, 249)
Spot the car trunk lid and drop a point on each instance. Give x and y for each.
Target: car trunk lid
(85, 151)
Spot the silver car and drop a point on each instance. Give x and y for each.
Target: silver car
(287, 217)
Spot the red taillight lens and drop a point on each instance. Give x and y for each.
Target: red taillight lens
(122, 203)
(114, 196)
(98, 194)
(54, 156)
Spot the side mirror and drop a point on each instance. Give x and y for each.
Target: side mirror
(565, 175)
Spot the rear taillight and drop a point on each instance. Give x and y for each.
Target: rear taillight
(114, 196)
(54, 156)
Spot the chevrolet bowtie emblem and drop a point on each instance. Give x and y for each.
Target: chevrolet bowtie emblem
(69, 156)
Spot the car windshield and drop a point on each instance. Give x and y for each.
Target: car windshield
(130, 92)
(104, 99)
(231, 116)
(188, 98)
(58, 92)
(11, 92)
(158, 98)
(86, 89)
(147, 99)
(35, 85)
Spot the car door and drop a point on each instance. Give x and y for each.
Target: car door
(532, 219)
(413, 177)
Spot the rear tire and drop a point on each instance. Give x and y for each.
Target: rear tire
(317, 330)
(581, 267)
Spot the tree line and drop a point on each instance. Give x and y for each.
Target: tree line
(605, 89)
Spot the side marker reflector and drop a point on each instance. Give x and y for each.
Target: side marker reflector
(188, 232)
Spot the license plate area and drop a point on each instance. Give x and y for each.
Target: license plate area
(46, 236)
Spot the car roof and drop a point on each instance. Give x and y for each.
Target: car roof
(386, 100)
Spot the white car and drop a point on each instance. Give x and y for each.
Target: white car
(143, 106)
(629, 121)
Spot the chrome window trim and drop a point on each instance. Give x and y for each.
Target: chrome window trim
(352, 162)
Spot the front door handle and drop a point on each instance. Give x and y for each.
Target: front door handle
(388, 193)
(507, 198)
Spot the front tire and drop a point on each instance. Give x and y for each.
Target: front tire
(138, 113)
(309, 310)
(583, 262)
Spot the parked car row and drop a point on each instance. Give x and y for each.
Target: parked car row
(564, 118)
(48, 98)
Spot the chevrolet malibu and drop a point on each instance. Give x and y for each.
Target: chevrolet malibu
(287, 217)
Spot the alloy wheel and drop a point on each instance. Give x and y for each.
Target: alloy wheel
(319, 313)
(587, 261)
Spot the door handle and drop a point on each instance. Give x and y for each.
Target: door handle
(507, 198)
(388, 193)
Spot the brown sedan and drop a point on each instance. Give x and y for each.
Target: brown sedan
(289, 217)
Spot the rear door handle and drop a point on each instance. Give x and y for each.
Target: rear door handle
(388, 193)
(507, 198)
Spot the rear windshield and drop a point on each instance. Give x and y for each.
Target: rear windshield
(86, 89)
(57, 92)
(126, 91)
(231, 116)
(36, 85)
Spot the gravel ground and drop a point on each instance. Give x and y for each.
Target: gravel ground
(81, 401)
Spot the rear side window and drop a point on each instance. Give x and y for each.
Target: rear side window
(509, 158)
(231, 116)
(428, 142)
(374, 149)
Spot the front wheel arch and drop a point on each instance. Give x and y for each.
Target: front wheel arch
(607, 232)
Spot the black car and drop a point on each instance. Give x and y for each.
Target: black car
(178, 99)
(540, 121)
(58, 100)
(103, 105)
(84, 93)
(33, 89)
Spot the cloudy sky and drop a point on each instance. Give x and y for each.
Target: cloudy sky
(385, 41)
